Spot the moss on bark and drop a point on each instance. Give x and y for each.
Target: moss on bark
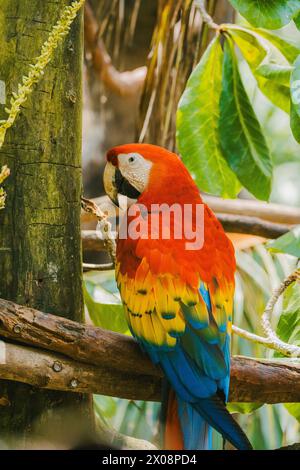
(40, 248)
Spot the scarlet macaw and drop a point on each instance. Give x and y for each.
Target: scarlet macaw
(177, 301)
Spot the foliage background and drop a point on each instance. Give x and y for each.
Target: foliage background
(259, 270)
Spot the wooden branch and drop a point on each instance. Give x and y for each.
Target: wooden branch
(236, 222)
(252, 226)
(122, 83)
(91, 241)
(84, 343)
(264, 381)
(231, 224)
(278, 213)
(54, 371)
(82, 358)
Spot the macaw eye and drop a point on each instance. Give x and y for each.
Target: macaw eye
(131, 159)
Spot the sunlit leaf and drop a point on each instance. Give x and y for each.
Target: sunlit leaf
(197, 126)
(272, 14)
(295, 99)
(293, 409)
(297, 20)
(248, 264)
(295, 122)
(244, 408)
(279, 73)
(258, 55)
(103, 302)
(105, 406)
(242, 139)
(289, 50)
(288, 328)
(288, 243)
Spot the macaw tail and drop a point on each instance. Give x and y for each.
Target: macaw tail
(189, 427)
(184, 429)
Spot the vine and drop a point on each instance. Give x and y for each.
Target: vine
(4, 173)
(58, 33)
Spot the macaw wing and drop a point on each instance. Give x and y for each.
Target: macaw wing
(183, 322)
(183, 327)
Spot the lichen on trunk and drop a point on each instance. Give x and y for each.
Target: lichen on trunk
(40, 248)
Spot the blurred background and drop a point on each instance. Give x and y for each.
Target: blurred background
(122, 104)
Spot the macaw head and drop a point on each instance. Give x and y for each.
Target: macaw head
(135, 169)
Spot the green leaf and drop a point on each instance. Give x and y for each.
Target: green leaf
(288, 243)
(289, 50)
(277, 72)
(295, 99)
(288, 328)
(242, 139)
(103, 301)
(293, 409)
(105, 406)
(297, 20)
(197, 126)
(295, 85)
(271, 14)
(256, 52)
(244, 408)
(295, 122)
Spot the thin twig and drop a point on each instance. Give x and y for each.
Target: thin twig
(271, 340)
(205, 16)
(104, 226)
(97, 267)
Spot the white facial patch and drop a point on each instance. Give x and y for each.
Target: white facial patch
(135, 169)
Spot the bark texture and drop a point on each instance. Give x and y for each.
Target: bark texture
(82, 358)
(40, 255)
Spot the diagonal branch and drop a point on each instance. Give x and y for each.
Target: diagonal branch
(271, 340)
(122, 83)
(69, 356)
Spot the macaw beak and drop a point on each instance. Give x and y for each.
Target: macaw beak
(115, 183)
(110, 184)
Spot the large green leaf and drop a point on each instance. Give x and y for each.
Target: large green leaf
(288, 328)
(289, 50)
(258, 54)
(297, 20)
(277, 72)
(295, 122)
(293, 409)
(288, 243)
(271, 14)
(197, 126)
(242, 139)
(103, 301)
(295, 99)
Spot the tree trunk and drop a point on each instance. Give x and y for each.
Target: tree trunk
(40, 250)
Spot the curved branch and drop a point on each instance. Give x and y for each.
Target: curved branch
(236, 216)
(252, 226)
(271, 340)
(82, 358)
(278, 213)
(205, 16)
(105, 227)
(122, 83)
